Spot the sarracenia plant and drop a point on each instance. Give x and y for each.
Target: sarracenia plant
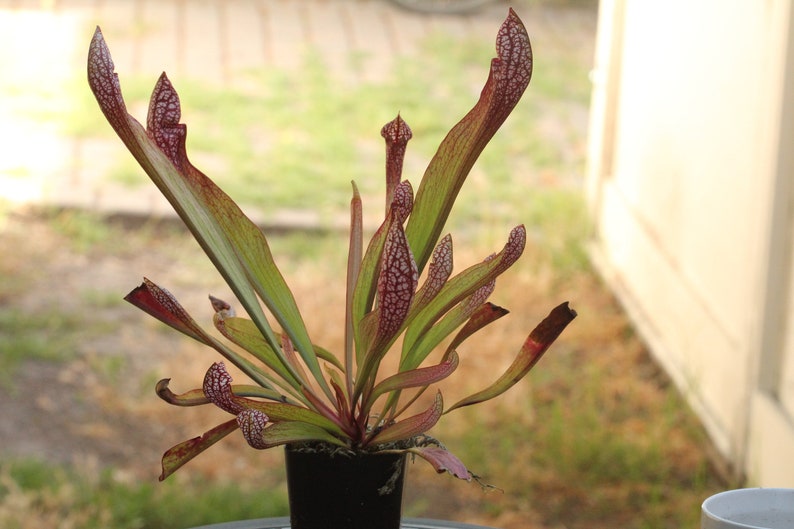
(301, 391)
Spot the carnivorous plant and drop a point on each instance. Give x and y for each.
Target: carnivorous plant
(302, 392)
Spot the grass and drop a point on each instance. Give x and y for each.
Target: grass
(35, 494)
(28, 336)
(49, 330)
(82, 229)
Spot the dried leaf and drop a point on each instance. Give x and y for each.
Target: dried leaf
(443, 461)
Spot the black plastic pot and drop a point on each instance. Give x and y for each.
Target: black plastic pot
(334, 490)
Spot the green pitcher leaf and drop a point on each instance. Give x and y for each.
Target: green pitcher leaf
(415, 378)
(219, 390)
(354, 256)
(261, 435)
(396, 287)
(176, 456)
(438, 272)
(397, 133)
(367, 282)
(235, 245)
(279, 412)
(245, 334)
(328, 356)
(165, 171)
(535, 345)
(396, 283)
(411, 426)
(453, 319)
(161, 304)
(196, 397)
(485, 314)
(457, 289)
(510, 73)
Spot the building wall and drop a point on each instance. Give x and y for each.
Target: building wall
(690, 195)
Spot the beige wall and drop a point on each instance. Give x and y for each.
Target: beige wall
(690, 193)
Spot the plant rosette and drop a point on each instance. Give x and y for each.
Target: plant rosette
(301, 393)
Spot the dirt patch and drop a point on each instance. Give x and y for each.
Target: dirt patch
(70, 410)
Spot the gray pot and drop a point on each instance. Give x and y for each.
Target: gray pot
(283, 523)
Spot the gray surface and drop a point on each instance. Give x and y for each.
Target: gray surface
(283, 523)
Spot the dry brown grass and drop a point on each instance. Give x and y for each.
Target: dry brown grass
(596, 437)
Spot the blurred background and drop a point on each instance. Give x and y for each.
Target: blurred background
(284, 101)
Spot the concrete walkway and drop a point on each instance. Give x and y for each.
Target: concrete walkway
(42, 66)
